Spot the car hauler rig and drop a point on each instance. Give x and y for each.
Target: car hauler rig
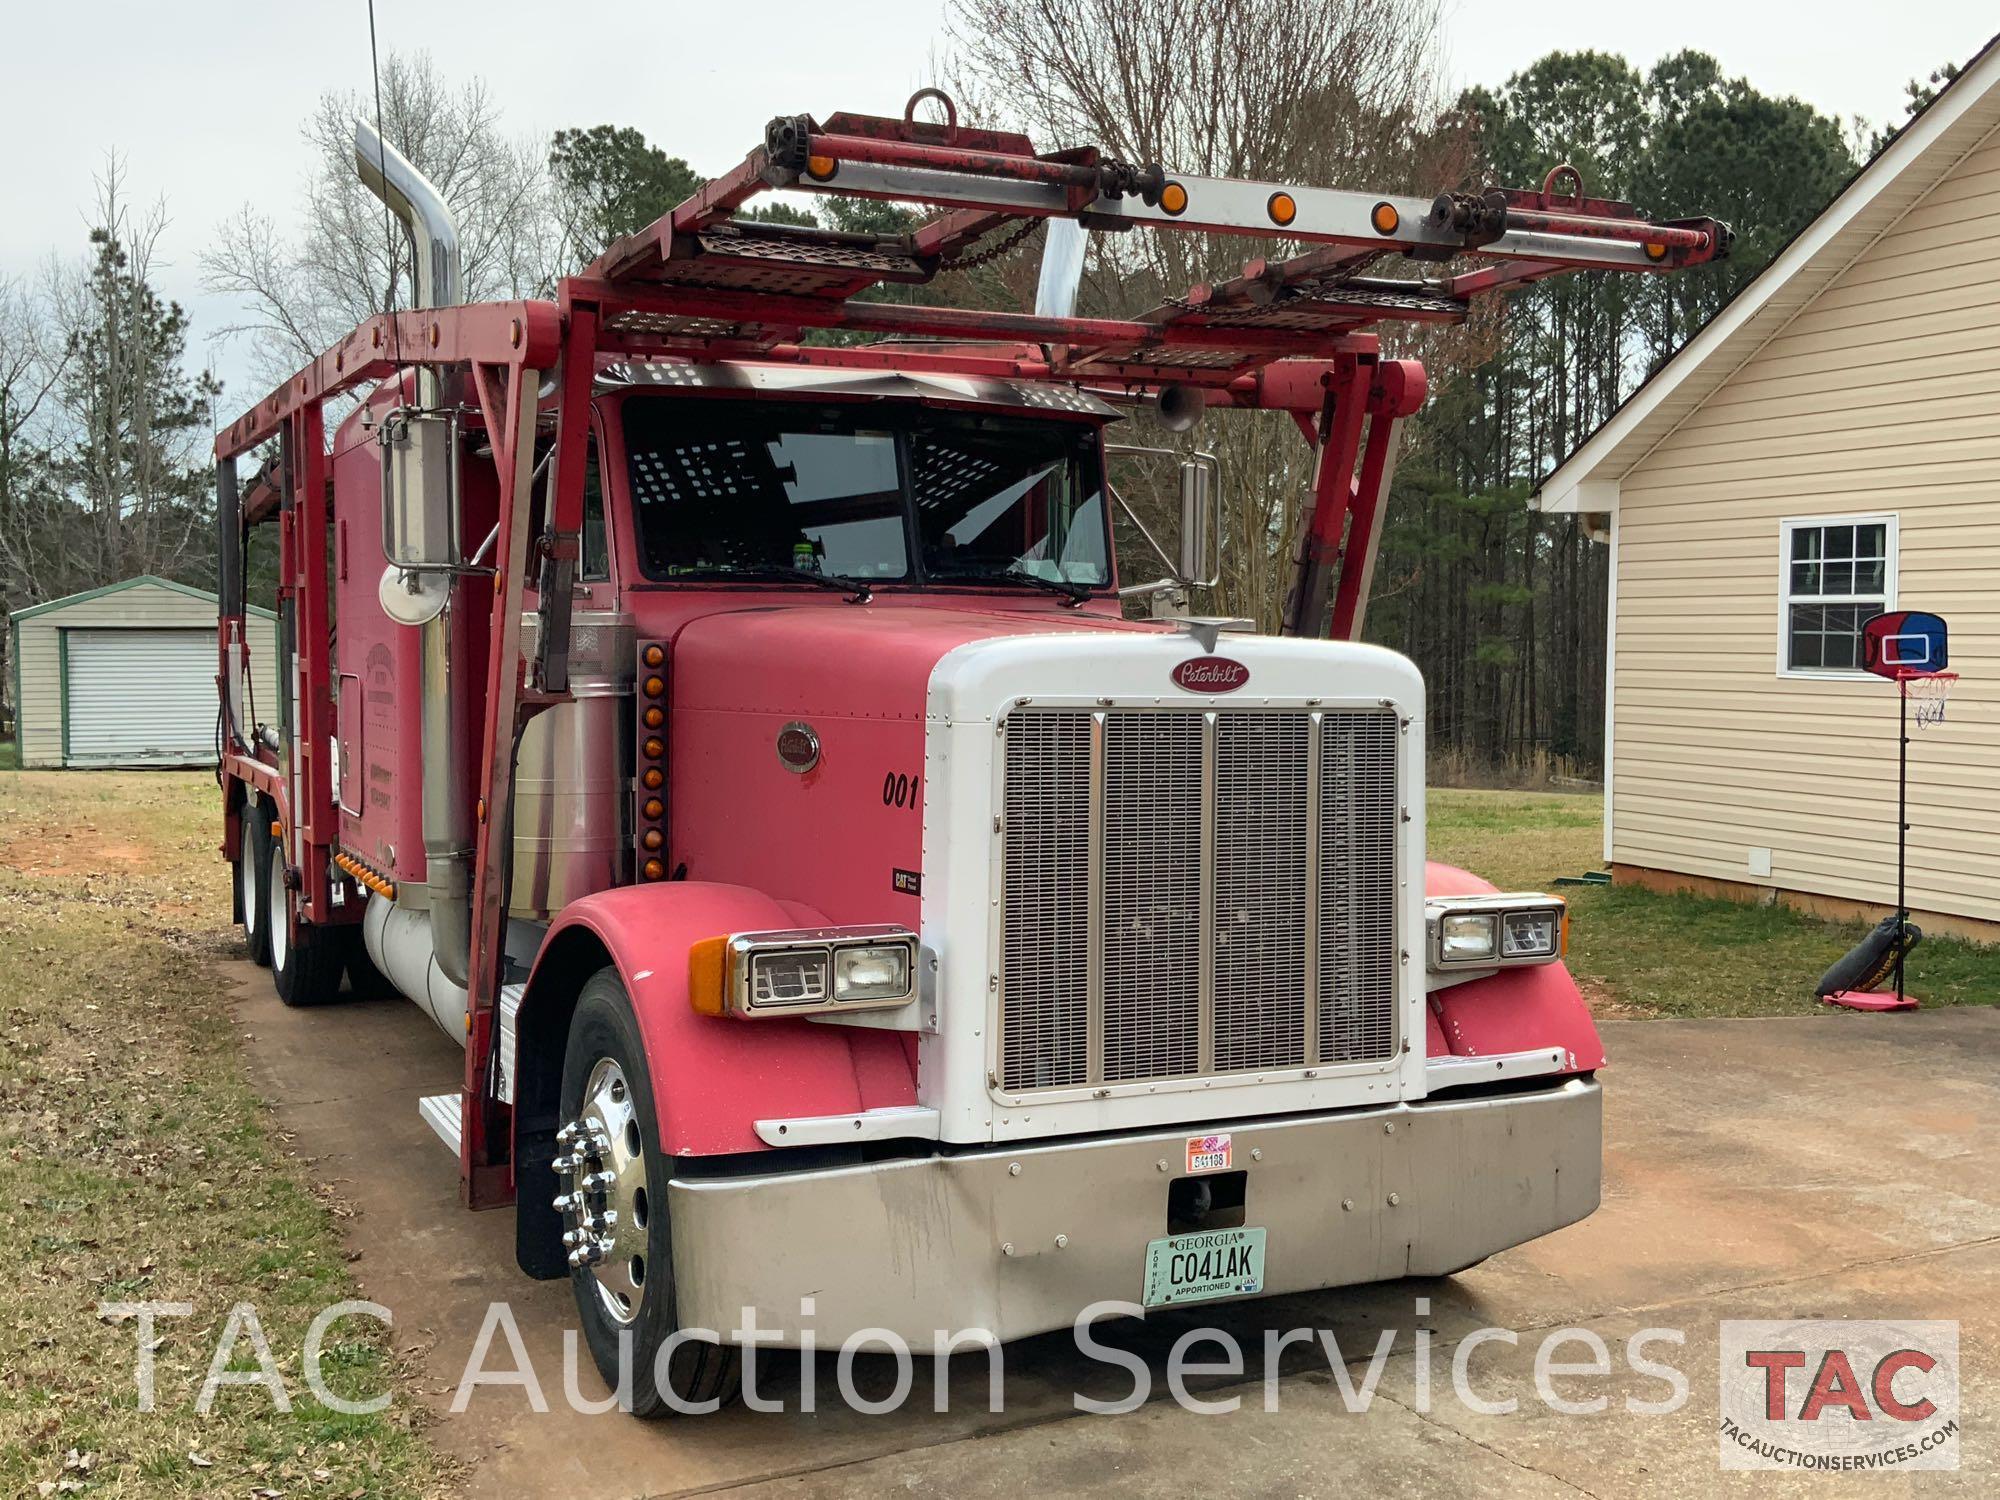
(736, 742)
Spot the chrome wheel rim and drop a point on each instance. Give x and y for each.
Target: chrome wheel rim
(280, 918)
(602, 1169)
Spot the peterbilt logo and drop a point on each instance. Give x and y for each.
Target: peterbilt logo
(798, 747)
(1211, 674)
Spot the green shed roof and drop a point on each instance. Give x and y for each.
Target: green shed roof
(112, 588)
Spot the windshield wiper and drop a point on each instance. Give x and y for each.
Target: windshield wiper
(1072, 594)
(856, 588)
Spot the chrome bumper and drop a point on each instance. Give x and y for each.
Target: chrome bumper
(1016, 1241)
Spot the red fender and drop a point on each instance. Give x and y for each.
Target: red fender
(1515, 1010)
(715, 1076)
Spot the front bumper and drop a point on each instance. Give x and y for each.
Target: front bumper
(1016, 1241)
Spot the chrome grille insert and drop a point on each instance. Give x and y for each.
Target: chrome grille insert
(1190, 892)
(1152, 895)
(1044, 946)
(1357, 874)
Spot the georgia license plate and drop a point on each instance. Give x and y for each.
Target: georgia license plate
(1210, 1263)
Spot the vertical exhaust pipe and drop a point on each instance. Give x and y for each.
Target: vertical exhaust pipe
(447, 748)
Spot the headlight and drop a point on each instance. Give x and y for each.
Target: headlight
(871, 971)
(788, 977)
(1475, 932)
(1529, 934)
(1466, 937)
(802, 971)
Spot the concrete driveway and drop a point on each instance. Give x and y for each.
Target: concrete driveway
(1818, 1167)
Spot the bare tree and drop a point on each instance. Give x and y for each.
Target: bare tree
(348, 261)
(31, 363)
(1334, 93)
(113, 479)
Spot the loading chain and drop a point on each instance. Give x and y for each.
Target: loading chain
(992, 253)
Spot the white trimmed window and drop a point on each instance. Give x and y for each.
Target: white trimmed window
(1837, 571)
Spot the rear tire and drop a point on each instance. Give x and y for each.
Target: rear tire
(607, 1100)
(253, 860)
(307, 960)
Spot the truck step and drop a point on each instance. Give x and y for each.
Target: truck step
(510, 1007)
(441, 1113)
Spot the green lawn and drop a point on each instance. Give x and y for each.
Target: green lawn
(10, 756)
(137, 1164)
(1640, 953)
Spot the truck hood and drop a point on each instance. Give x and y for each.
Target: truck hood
(840, 839)
(843, 661)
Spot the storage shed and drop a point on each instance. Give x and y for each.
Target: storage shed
(125, 675)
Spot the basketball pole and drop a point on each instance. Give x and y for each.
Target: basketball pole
(1902, 824)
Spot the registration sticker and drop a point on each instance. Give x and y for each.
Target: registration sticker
(1208, 1153)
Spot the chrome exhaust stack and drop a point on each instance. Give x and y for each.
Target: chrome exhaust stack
(447, 748)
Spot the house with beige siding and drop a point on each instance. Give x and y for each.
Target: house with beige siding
(125, 676)
(1826, 448)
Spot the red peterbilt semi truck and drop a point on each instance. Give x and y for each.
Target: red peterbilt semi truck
(737, 741)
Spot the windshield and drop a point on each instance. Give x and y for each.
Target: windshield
(865, 492)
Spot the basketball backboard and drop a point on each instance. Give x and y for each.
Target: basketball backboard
(1903, 641)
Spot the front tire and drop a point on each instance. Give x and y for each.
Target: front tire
(253, 860)
(614, 1206)
(306, 960)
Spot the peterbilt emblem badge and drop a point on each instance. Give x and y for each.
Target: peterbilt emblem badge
(798, 747)
(1211, 674)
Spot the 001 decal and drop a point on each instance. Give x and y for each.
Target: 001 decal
(900, 790)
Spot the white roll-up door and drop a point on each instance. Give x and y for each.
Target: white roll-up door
(139, 696)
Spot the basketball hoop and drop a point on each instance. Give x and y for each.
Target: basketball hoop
(1929, 691)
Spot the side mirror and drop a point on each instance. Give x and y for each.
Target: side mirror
(1198, 525)
(419, 490)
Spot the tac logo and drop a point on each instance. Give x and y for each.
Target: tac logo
(1211, 674)
(1839, 1395)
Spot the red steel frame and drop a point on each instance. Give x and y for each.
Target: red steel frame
(1345, 397)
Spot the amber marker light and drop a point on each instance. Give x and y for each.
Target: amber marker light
(654, 870)
(654, 779)
(655, 685)
(821, 168)
(652, 840)
(705, 974)
(1283, 208)
(654, 748)
(1385, 218)
(654, 656)
(1173, 198)
(653, 809)
(1656, 251)
(655, 717)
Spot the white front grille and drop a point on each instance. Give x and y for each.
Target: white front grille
(1191, 892)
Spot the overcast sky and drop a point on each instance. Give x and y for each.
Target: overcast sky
(205, 101)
